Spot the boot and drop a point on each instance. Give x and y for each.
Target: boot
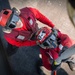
(72, 66)
(71, 62)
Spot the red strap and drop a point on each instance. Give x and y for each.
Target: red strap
(19, 44)
(29, 43)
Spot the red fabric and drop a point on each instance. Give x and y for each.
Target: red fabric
(45, 57)
(29, 18)
(39, 17)
(65, 41)
(19, 44)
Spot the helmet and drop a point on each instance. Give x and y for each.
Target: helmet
(4, 16)
(8, 18)
(46, 38)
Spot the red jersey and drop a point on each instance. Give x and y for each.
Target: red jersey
(24, 33)
(54, 53)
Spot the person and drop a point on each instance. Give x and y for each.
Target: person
(19, 27)
(53, 43)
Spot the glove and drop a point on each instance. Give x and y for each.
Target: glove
(55, 66)
(55, 31)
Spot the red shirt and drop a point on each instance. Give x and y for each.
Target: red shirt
(40, 17)
(54, 53)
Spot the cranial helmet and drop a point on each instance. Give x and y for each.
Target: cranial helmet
(46, 38)
(9, 17)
